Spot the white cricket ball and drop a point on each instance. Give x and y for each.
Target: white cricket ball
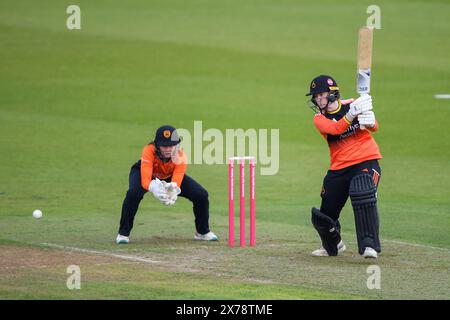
(37, 214)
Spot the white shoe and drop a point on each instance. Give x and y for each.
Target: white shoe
(122, 239)
(370, 253)
(210, 236)
(321, 252)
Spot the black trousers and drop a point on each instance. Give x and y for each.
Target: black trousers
(190, 189)
(336, 184)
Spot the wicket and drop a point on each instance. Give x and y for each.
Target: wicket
(241, 200)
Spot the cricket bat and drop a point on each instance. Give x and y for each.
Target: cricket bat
(364, 61)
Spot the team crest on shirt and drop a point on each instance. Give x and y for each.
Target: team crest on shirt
(166, 133)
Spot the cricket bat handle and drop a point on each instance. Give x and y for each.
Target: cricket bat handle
(363, 85)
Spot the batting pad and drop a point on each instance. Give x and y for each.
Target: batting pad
(328, 231)
(363, 195)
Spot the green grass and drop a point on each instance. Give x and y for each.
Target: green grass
(137, 282)
(76, 108)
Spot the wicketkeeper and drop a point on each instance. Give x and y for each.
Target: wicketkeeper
(161, 171)
(354, 169)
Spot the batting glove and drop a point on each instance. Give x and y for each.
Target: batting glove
(367, 119)
(360, 105)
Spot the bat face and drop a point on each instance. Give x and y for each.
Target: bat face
(364, 60)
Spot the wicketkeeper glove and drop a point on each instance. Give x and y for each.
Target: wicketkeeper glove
(157, 188)
(172, 191)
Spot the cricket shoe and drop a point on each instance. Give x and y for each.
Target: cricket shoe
(122, 239)
(370, 253)
(321, 252)
(210, 236)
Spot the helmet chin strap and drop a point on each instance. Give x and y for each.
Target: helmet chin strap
(328, 104)
(323, 110)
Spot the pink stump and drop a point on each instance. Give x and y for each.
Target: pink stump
(242, 202)
(252, 202)
(231, 203)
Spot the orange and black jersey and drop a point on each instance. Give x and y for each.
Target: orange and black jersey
(348, 144)
(153, 167)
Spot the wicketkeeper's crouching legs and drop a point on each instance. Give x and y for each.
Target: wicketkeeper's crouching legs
(132, 200)
(190, 189)
(198, 195)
